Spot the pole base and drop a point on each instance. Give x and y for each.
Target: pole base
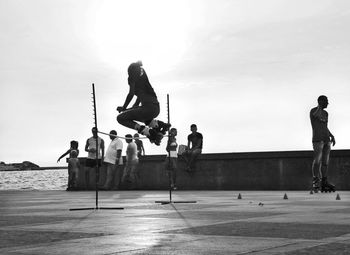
(175, 202)
(96, 208)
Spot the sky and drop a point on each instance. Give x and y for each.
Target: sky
(246, 72)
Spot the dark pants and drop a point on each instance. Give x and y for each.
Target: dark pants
(145, 113)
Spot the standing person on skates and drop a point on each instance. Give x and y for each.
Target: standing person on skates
(322, 139)
(149, 109)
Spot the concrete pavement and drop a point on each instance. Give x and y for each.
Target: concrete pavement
(262, 222)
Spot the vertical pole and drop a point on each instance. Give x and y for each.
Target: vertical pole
(97, 165)
(168, 110)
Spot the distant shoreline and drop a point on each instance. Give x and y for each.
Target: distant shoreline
(35, 169)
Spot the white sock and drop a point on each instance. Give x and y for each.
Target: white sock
(145, 131)
(153, 124)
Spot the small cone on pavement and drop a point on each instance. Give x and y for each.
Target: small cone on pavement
(338, 197)
(239, 196)
(285, 196)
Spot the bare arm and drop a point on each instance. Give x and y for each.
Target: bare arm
(64, 154)
(129, 97)
(143, 149)
(119, 154)
(103, 148)
(137, 102)
(168, 145)
(332, 137)
(87, 146)
(317, 113)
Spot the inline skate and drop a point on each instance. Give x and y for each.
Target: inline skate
(315, 184)
(326, 186)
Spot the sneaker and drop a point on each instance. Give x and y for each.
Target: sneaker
(158, 139)
(155, 137)
(315, 183)
(152, 135)
(163, 127)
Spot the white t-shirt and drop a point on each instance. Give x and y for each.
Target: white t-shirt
(111, 153)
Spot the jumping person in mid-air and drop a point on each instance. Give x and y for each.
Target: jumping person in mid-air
(147, 111)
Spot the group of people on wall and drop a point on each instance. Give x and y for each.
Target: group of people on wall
(124, 175)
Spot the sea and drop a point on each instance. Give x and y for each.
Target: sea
(53, 179)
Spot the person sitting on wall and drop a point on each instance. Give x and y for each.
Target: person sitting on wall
(194, 148)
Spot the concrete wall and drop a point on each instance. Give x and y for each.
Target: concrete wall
(289, 170)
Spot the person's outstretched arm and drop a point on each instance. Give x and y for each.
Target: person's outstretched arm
(64, 154)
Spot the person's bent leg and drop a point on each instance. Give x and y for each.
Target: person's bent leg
(193, 159)
(127, 119)
(144, 113)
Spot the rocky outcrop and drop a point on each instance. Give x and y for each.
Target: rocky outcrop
(25, 165)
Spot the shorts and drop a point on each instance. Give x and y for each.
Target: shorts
(92, 162)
